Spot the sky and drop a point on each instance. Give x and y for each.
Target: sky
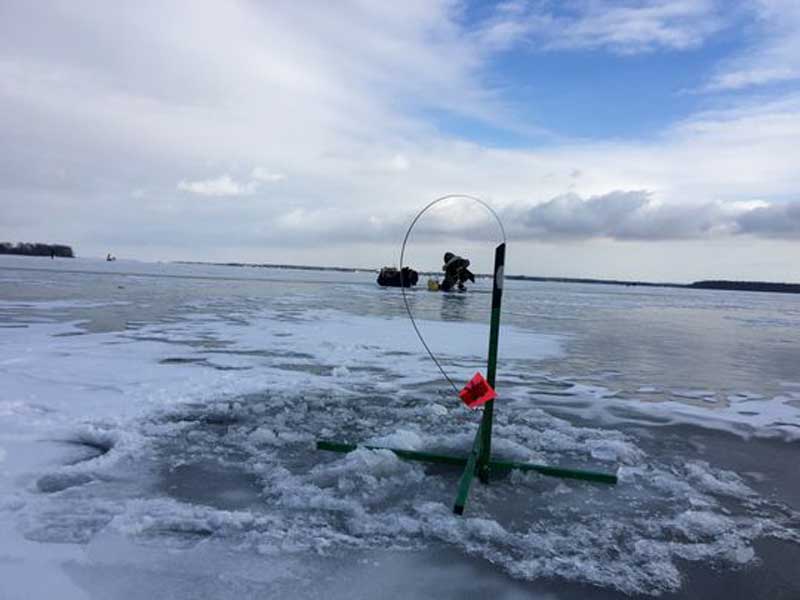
(638, 139)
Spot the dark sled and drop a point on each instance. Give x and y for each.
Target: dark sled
(391, 277)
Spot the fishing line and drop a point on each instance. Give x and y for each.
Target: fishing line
(402, 256)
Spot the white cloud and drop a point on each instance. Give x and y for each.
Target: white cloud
(751, 76)
(773, 55)
(399, 162)
(635, 215)
(220, 186)
(225, 185)
(776, 221)
(624, 27)
(266, 176)
(632, 215)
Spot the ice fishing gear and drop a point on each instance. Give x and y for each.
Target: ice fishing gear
(391, 277)
(478, 392)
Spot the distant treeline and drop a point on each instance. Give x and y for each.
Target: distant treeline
(743, 286)
(748, 286)
(590, 281)
(36, 249)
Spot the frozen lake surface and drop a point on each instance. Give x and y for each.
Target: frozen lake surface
(157, 427)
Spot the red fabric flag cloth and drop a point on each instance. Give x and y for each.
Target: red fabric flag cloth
(477, 392)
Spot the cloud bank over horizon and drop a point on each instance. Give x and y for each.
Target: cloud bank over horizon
(284, 133)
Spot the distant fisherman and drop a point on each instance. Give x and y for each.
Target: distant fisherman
(455, 272)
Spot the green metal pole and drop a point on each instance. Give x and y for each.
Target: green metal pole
(469, 473)
(496, 466)
(431, 457)
(503, 466)
(491, 368)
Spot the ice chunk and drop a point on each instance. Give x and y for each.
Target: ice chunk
(717, 481)
(265, 435)
(402, 439)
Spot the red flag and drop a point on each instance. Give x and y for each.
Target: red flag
(477, 392)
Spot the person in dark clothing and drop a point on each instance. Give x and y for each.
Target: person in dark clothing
(456, 272)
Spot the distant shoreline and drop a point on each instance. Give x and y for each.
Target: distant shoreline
(722, 284)
(36, 249)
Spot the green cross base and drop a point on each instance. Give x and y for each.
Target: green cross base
(494, 467)
(479, 461)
